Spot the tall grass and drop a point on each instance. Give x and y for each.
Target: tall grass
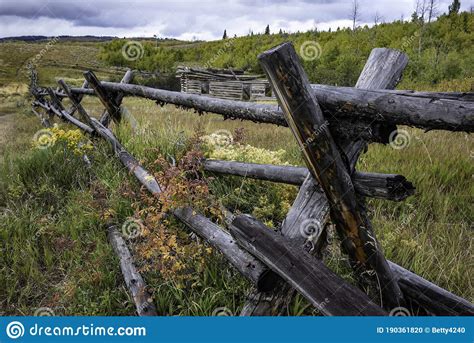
(54, 210)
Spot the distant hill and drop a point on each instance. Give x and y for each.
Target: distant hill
(89, 38)
(68, 38)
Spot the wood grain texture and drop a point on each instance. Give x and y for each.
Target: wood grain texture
(322, 156)
(432, 298)
(329, 293)
(343, 106)
(249, 266)
(310, 210)
(134, 281)
(383, 70)
(375, 185)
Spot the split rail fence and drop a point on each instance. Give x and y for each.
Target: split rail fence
(333, 126)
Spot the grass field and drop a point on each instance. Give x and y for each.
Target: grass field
(54, 251)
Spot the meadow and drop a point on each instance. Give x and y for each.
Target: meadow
(54, 250)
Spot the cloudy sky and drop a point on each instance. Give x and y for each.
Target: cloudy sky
(190, 19)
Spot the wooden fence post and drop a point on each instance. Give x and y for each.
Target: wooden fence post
(127, 78)
(112, 108)
(324, 161)
(76, 103)
(79, 97)
(58, 108)
(383, 69)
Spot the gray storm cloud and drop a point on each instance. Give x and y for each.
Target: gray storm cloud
(183, 19)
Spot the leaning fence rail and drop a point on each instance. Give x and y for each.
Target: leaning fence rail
(332, 126)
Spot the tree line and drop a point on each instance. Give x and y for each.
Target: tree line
(439, 50)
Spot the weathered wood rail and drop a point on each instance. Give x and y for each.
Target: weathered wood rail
(332, 125)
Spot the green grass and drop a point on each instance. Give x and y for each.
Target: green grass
(54, 250)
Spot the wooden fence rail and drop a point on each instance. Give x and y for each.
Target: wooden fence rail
(426, 110)
(345, 120)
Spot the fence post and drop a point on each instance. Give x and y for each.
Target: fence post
(79, 97)
(112, 108)
(58, 108)
(76, 103)
(127, 78)
(383, 69)
(309, 212)
(324, 161)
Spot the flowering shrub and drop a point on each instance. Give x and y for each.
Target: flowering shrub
(73, 140)
(163, 245)
(269, 202)
(214, 148)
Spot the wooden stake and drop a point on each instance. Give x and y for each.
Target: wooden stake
(305, 118)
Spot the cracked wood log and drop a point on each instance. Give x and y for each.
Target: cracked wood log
(328, 292)
(375, 185)
(310, 212)
(399, 107)
(383, 70)
(134, 281)
(253, 269)
(307, 218)
(302, 112)
(308, 234)
(343, 106)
